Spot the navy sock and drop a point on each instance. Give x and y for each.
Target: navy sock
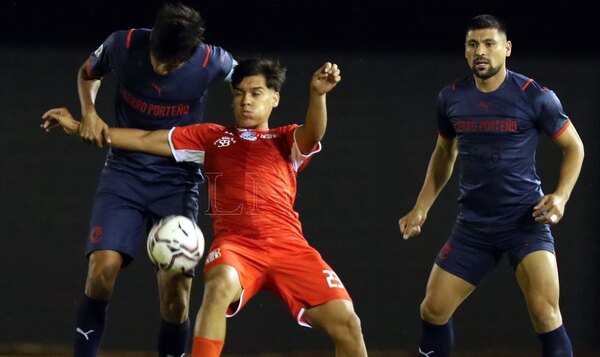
(556, 343)
(436, 340)
(173, 339)
(91, 319)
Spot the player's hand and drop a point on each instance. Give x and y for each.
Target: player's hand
(549, 209)
(59, 117)
(410, 224)
(94, 130)
(325, 78)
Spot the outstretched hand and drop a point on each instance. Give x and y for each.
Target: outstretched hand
(325, 78)
(59, 117)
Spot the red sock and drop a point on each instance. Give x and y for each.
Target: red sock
(203, 347)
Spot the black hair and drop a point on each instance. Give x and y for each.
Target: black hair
(487, 22)
(271, 69)
(177, 33)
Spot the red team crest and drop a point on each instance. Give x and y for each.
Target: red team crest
(446, 249)
(96, 234)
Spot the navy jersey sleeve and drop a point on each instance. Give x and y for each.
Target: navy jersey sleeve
(219, 64)
(551, 117)
(103, 60)
(445, 128)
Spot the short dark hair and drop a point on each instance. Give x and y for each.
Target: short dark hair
(177, 33)
(486, 22)
(273, 71)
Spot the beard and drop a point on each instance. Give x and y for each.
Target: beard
(489, 73)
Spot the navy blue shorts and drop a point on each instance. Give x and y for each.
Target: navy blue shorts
(472, 252)
(125, 209)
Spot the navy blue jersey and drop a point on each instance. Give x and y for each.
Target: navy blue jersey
(146, 100)
(497, 135)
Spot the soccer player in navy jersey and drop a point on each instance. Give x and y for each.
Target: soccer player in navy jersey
(252, 170)
(163, 75)
(491, 122)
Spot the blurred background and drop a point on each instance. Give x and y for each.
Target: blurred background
(395, 56)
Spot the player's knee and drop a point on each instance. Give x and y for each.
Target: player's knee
(434, 313)
(101, 280)
(546, 315)
(219, 291)
(353, 326)
(174, 307)
(348, 328)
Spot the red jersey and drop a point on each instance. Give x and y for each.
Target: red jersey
(251, 176)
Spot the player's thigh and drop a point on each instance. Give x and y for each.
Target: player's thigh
(537, 275)
(239, 263)
(334, 313)
(302, 278)
(444, 294)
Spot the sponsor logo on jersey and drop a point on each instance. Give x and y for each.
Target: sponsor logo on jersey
(491, 125)
(488, 158)
(224, 141)
(156, 110)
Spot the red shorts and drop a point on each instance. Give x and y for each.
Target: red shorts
(287, 267)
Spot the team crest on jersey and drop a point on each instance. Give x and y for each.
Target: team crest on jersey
(99, 50)
(249, 135)
(224, 141)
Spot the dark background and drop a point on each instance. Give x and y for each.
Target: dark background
(394, 56)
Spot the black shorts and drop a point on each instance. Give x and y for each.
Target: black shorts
(125, 209)
(472, 252)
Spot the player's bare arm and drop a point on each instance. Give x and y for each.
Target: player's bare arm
(322, 81)
(439, 171)
(550, 209)
(93, 129)
(150, 142)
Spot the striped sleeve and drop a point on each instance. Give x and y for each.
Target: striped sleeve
(188, 143)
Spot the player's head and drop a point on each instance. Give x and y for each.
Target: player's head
(486, 45)
(176, 34)
(255, 84)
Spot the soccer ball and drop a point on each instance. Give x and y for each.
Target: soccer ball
(175, 243)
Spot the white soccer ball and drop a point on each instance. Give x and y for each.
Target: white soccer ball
(175, 243)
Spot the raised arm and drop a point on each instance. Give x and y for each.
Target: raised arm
(439, 171)
(92, 129)
(150, 142)
(551, 207)
(322, 81)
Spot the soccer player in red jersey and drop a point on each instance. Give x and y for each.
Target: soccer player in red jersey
(258, 241)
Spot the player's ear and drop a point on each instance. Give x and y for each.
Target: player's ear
(508, 48)
(275, 99)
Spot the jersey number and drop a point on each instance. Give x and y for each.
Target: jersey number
(332, 279)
